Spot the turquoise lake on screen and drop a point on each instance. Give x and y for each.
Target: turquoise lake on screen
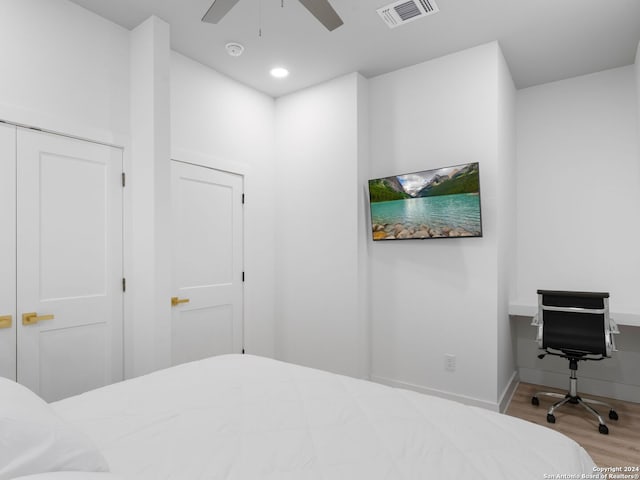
(460, 210)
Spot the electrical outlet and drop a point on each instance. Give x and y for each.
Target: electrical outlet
(450, 362)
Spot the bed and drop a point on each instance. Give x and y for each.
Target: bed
(245, 417)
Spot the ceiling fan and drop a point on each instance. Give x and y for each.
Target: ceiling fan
(321, 9)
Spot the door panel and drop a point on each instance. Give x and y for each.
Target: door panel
(78, 375)
(70, 264)
(7, 251)
(196, 336)
(206, 218)
(207, 258)
(73, 199)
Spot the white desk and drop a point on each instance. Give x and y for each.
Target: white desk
(529, 310)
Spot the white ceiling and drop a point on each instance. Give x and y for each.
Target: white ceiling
(543, 40)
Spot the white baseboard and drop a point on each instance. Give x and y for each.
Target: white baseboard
(439, 393)
(586, 385)
(510, 389)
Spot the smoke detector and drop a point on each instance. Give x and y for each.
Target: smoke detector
(405, 11)
(234, 49)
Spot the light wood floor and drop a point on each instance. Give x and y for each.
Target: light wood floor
(620, 448)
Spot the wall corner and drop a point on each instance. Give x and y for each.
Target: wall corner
(148, 314)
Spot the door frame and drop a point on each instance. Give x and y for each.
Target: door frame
(115, 159)
(64, 128)
(233, 168)
(8, 281)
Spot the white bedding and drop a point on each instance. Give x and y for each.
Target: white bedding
(244, 417)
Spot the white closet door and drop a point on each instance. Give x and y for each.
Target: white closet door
(7, 251)
(207, 259)
(69, 236)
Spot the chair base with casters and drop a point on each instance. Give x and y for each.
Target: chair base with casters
(575, 326)
(573, 398)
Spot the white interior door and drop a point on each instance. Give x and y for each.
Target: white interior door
(7, 251)
(207, 259)
(69, 236)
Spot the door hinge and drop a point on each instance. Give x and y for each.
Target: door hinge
(124, 284)
(243, 351)
(124, 179)
(243, 198)
(243, 276)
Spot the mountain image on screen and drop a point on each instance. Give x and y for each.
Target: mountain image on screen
(440, 203)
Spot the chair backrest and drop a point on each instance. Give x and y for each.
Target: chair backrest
(576, 323)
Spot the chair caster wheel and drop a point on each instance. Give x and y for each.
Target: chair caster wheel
(603, 429)
(551, 418)
(535, 401)
(613, 415)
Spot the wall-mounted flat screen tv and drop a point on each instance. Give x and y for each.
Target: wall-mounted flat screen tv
(440, 203)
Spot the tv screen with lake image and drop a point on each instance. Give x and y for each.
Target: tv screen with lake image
(441, 203)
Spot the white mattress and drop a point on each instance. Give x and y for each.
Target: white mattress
(244, 417)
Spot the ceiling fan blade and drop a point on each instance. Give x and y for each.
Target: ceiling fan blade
(324, 12)
(218, 9)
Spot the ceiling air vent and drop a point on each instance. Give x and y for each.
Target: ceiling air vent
(399, 13)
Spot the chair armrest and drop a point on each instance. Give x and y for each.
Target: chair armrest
(535, 322)
(609, 339)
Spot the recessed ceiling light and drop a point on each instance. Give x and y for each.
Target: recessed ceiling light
(279, 72)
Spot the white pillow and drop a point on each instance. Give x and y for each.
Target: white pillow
(33, 439)
(72, 476)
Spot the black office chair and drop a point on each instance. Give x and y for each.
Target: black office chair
(575, 326)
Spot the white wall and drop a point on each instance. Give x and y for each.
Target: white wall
(506, 131)
(364, 227)
(578, 196)
(317, 198)
(579, 188)
(148, 210)
(223, 124)
(637, 71)
(435, 297)
(64, 69)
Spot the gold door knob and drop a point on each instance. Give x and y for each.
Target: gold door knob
(177, 301)
(32, 318)
(6, 321)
